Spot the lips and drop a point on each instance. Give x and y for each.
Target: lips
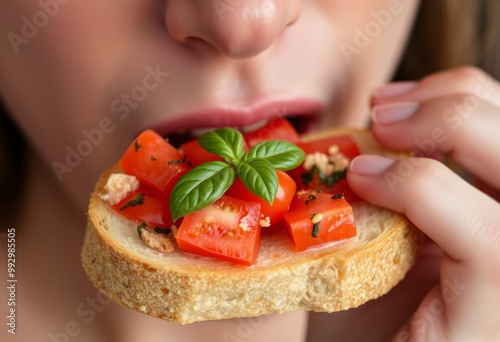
(302, 113)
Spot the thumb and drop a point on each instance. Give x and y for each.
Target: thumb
(461, 219)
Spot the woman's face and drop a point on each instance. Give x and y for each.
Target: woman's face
(82, 78)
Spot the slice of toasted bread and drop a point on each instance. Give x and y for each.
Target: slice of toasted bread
(186, 288)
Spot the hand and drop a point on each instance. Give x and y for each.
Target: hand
(455, 112)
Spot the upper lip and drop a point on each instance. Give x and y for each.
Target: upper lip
(239, 114)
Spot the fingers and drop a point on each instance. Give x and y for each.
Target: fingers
(466, 225)
(463, 80)
(458, 112)
(463, 126)
(461, 219)
(466, 125)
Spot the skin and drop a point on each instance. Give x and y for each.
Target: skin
(462, 107)
(67, 77)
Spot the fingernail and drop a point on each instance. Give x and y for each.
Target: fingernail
(370, 165)
(390, 113)
(393, 89)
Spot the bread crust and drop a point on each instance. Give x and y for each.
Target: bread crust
(329, 279)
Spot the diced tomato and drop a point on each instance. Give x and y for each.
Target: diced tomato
(306, 180)
(346, 145)
(146, 205)
(153, 161)
(228, 229)
(197, 155)
(275, 129)
(334, 216)
(281, 204)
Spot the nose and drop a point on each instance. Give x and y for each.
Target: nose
(236, 28)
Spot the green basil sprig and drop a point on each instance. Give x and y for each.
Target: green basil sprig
(260, 177)
(256, 168)
(225, 142)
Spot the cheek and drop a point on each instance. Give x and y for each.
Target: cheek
(58, 60)
(371, 38)
(362, 23)
(55, 74)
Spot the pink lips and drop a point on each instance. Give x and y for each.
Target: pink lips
(220, 115)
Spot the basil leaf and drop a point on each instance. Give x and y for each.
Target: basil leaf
(260, 177)
(225, 142)
(283, 155)
(200, 187)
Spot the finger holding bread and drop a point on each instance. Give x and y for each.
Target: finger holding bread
(460, 121)
(448, 125)
(461, 80)
(462, 220)
(423, 189)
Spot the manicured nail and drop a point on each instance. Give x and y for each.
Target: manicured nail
(393, 89)
(370, 165)
(390, 113)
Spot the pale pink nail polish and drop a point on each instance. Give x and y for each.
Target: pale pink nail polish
(391, 113)
(394, 89)
(370, 165)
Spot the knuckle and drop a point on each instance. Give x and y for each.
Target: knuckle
(464, 79)
(468, 71)
(430, 177)
(467, 78)
(465, 105)
(419, 177)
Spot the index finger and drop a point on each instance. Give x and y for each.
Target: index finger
(462, 80)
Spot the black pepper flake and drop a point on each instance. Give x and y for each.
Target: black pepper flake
(138, 201)
(315, 230)
(316, 219)
(310, 198)
(153, 158)
(137, 146)
(165, 231)
(338, 196)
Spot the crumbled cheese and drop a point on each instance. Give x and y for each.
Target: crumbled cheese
(265, 222)
(118, 186)
(333, 149)
(321, 161)
(157, 241)
(337, 158)
(327, 164)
